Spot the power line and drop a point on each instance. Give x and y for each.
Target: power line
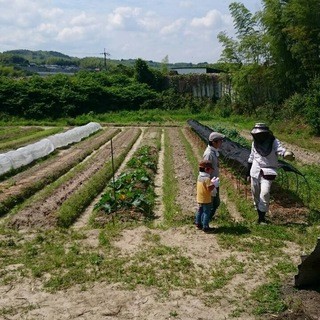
(105, 53)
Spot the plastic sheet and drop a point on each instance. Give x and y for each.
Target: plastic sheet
(25, 155)
(74, 135)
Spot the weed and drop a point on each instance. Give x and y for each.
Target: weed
(268, 297)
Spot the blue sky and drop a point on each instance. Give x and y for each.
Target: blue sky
(183, 30)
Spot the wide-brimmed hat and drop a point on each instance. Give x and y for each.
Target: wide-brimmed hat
(259, 128)
(215, 136)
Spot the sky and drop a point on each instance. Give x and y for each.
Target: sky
(181, 30)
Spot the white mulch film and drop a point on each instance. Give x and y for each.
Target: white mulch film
(22, 156)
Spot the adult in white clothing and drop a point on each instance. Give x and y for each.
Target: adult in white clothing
(262, 166)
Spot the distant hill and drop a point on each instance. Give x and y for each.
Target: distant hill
(39, 57)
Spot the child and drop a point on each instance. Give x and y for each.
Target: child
(215, 141)
(205, 185)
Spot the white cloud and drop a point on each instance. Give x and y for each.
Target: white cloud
(174, 27)
(149, 22)
(123, 17)
(54, 13)
(212, 18)
(83, 19)
(47, 28)
(71, 34)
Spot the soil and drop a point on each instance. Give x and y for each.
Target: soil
(110, 301)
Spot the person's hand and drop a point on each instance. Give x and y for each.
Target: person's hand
(215, 181)
(288, 155)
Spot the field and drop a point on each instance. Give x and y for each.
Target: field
(65, 257)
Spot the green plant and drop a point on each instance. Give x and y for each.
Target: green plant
(133, 189)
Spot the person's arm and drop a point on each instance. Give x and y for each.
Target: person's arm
(250, 160)
(279, 148)
(209, 185)
(282, 151)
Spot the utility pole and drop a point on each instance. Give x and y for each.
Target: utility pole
(105, 53)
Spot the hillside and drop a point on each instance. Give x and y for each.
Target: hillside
(39, 57)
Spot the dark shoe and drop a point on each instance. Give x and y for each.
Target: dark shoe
(262, 217)
(199, 226)
(208, 230)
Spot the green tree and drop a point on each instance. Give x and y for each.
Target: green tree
(293, 35)
(250, 45)
(154, 78)
(142, 72)
(164, 65)
(247, 59)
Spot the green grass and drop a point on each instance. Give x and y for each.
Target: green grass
(154, 117)
(289, 131)
(170, 185)
(268, 297)
(223, 272)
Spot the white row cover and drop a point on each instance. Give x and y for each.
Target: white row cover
(74, 135)
(22, 156)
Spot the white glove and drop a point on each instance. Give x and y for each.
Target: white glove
(288, 155)
(215, 181)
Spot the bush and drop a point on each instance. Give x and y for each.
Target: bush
(312, 106)
(224, 107)
(293, 106)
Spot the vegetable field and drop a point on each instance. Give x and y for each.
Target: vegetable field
(103, 229)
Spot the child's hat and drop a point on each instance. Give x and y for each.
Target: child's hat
(215, 136)
(205, 164)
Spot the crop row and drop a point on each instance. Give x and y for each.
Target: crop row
(43, 210)
(24, 184)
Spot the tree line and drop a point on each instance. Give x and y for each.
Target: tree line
(62, 96)
(274, 62)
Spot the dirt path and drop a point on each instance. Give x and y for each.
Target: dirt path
(201, 248)
(159, 207)
(183, 173)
